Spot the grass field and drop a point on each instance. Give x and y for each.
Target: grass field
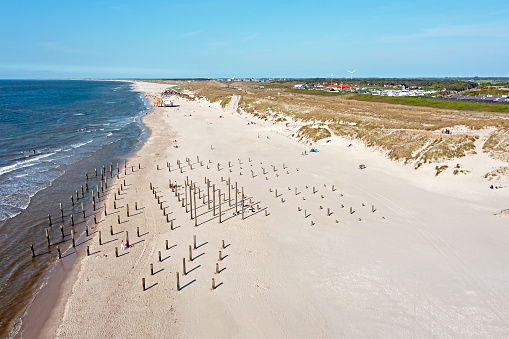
(491, 91)
(433, 103)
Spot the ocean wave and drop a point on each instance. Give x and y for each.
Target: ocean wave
(25, 163)
(12, 204)
(109, 134)
(74, 146)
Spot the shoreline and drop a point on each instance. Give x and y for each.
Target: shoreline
(36, 313)
(282, 275)
(49, 326)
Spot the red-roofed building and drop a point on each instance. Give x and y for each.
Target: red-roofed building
(340, 87)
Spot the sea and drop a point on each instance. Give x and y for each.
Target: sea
(53, 133)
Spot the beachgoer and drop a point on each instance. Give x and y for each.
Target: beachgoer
(122, 247)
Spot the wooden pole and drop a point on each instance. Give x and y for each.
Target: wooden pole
(236, 198)
(49, 219)
(116, 252)
(219, 205)
(32, 249)
(166, 244)
(72, 237)
(242, 206)
(213, 284)
(100, 242)
(217, 268)
(184, 266)
(62, 231)
(151, 269)
(61, 211)
(88, 251)
(72, 220)
(59, 253)
(191, 200)
(194, 204)
(229, 194)
(185, 196)
(143, 283)
(220, 256)
(190, 253)
(213, 199)
(208, 193)
(178, 282)
(159, 253)
(127, 238)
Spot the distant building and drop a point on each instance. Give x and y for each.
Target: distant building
(339, 87)
(300, 86)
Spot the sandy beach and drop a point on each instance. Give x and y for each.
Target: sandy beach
(325, 249)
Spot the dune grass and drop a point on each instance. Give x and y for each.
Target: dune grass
(404, 128)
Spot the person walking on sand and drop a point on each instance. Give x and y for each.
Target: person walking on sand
(122, 246)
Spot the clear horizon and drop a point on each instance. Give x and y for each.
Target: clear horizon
(224, 39)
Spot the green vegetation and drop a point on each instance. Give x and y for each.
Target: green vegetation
(440, 169)
(433, 103)
(313, 133)
(225, 101)
(489, 91)
(498, 145)
(497, 174)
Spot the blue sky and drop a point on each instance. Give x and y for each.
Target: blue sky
(172, 39)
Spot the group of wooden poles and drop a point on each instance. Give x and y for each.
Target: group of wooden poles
(100, 188)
